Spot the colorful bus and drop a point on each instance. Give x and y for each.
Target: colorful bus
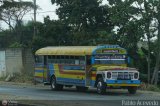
(101, 67)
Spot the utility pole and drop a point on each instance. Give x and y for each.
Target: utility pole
(35, 12)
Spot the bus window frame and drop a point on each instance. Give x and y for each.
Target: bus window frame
(66, 59)
(39, 56)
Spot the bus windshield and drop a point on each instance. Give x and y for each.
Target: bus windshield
(110, 59)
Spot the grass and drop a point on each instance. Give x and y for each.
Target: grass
(22, 78)
(149, 87)
(2, 79)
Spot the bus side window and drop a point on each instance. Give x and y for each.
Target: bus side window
(77, 60)
(62, 59)
(45, 60)
(82, 60)
(66, 59)
(71, 60)
(39, 59)
(58, 59)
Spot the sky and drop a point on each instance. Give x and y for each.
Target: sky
(46, 9)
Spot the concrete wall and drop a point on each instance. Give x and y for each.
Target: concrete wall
(28, 61)
(13, 60)
(18, 60)
(2, 63)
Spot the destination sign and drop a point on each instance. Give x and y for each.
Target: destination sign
(110, 57)
(110, 51)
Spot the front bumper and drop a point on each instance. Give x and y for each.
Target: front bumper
(123, 83)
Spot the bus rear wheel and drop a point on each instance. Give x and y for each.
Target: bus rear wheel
(132, 90)
(81, 88)
(54, 85)
(101, 86)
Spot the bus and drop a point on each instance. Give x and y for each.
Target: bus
(84, 67)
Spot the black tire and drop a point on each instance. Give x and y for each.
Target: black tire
(101, 86)
(81, 88)
(132, 90)
(54, 85)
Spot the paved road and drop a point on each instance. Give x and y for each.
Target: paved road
(40, 93)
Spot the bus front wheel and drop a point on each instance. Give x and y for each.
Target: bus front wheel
(101, 86)
(54, 85)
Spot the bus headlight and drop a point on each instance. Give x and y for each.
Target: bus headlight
(135, 75)
(109, 75)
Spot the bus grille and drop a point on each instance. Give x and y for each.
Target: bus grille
(122, 75)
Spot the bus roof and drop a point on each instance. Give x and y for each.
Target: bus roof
(70, 50)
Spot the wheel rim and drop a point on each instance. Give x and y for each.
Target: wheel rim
(99, 85)
(53, 83)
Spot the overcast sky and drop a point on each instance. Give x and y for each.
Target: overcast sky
(46, 9)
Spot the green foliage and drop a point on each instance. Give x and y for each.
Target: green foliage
(86, 18)
(22, 78)
(143, 77)
(16, 45)
(12, 13)
(153, 88)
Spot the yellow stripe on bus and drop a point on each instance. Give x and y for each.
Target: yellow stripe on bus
(71, 76)
(39, 74)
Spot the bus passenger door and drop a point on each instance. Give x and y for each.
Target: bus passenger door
(88, 71)
(88, 76)
(46, 70)
(41, 69)
(38, 72)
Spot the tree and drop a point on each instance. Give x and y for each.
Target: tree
(149, 18)
(85, 17)
(146, 14)
(12, 13)
(52, 33)
(157, 66)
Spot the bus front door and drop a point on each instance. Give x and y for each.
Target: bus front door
(88, 76)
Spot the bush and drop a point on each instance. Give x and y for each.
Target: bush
(153, 88)
(149, 87)
(2, 78)
(22, 78)
(143, 77)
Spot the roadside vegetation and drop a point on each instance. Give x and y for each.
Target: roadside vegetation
(19, 78)
(149, 87)
(22, 78)
(132, 24)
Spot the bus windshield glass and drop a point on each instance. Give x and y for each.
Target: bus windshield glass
(110, 59)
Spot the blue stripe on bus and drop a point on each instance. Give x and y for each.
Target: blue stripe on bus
(70, 81)
(92, 60)
(92, 83)
(123, 81)
(73, 67)
(51, 69)
(39, 71)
